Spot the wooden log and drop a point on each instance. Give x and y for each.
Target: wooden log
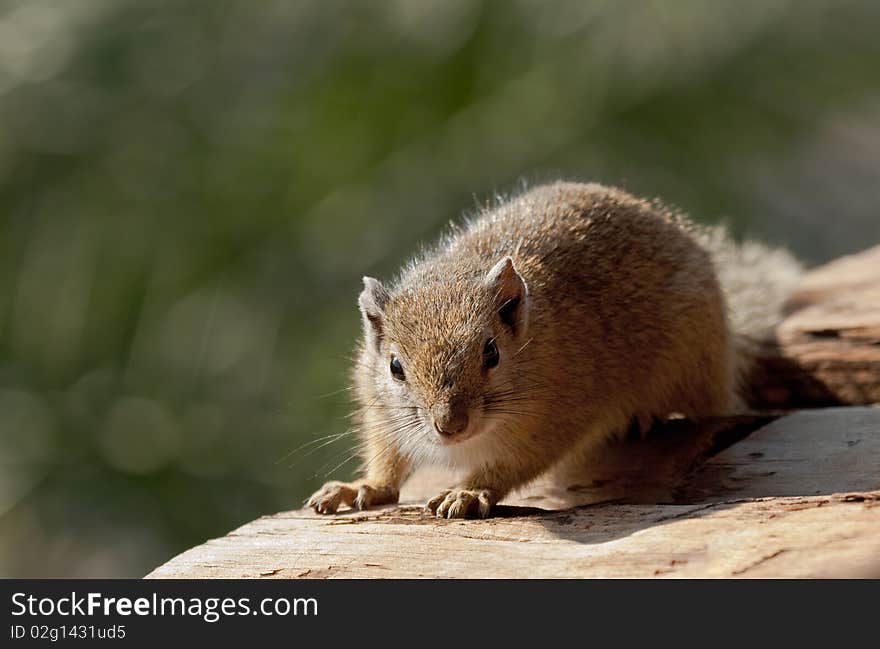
(827, 350)
(819, 536)
(849, 275)
(767, 494)
(799, 497)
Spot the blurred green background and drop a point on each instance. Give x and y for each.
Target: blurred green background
(191, 190)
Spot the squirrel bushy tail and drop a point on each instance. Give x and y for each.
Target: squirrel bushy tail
(756, 280)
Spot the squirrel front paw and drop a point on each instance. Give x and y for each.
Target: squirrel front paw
(357, 496)
(461, 503)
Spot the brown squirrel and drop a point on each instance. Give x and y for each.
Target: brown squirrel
(554, 321)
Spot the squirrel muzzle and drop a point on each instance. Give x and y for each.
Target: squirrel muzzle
(450, 418)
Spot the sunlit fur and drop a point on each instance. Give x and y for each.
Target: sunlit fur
(625, 318)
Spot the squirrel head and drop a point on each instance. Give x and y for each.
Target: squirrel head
(444, 352)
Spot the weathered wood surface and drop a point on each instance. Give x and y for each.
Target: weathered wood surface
(819, 536)
(828, 348)
(772, 494)
(799, 497)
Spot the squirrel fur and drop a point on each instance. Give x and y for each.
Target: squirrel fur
(550, 323)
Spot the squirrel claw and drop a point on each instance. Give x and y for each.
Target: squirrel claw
(333, 494)
(329, 497)
(462, 503)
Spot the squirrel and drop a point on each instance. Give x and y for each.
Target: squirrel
(562, 318)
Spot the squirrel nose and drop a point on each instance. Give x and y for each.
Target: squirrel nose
(449, 418)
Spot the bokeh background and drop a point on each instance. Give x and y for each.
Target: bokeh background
(191, 190)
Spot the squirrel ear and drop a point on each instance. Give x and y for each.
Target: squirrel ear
(511, 294)
(372, 303)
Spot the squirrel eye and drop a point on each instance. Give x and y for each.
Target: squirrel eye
(397, 369)
(490, 354)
